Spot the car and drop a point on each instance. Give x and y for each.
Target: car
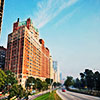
(63, 90)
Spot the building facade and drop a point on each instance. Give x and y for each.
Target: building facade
(60, 77)
(26, 53)
(2, 57)
(51, 69)
(45, 65)
(56, 72)
(1, 12)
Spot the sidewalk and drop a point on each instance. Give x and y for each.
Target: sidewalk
(30, 97)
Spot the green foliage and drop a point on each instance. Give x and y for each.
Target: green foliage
(38, 84)
(69, 81)
(2, 79)
(88, 80)
(77, 83)
(6, 78)
(29, 82)
(58, 84)
(44, 85)
(49, 81)
(82, 81)
(54, 84)
(97, 80)
(17, 91)
(10, 79)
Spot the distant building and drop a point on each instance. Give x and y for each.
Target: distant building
(51, 69)
(61, 80)
(56, 72)
(26, 53)
(2, 57)
(55, 76)
(58, 75)
(1, 12)
(55, 65)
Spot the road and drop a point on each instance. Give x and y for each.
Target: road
(75, 96)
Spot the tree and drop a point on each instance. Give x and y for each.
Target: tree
(49, 81)
(44, 85)
(11, 78)
(97, 80)
(69, 81)
(89, 78)
(58, 84)
(54, 84)
(77, 83)
(29, 82)
(2, 79)
(82, 84)
(17, 91)
(38, 84)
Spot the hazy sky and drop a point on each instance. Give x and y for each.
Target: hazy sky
(70, 28)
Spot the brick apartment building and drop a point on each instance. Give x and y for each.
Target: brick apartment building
(2, 57)
(26, 54)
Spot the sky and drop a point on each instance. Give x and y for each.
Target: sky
(70, 28)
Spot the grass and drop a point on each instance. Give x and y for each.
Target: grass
(43, 97)
(49, 96)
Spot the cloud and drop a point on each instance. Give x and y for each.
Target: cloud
(49, 9)
(67, 17)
